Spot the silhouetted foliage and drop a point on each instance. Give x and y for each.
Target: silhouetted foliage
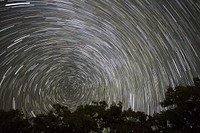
(184, 112)
(13, 121)
(182, 115)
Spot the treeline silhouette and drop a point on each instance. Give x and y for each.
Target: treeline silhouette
(182, 116)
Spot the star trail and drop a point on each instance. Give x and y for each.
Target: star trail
(74, 52)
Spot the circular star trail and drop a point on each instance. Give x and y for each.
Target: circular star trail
(74, 52)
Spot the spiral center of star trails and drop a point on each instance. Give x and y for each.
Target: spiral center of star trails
(75, 52)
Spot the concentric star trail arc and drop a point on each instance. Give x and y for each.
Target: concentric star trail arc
(75, 52)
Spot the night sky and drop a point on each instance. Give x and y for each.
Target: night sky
(74, 52)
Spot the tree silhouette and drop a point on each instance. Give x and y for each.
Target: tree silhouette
(13, 121)
(184, 104)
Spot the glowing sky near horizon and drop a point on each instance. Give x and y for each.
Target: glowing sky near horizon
(73, 52)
